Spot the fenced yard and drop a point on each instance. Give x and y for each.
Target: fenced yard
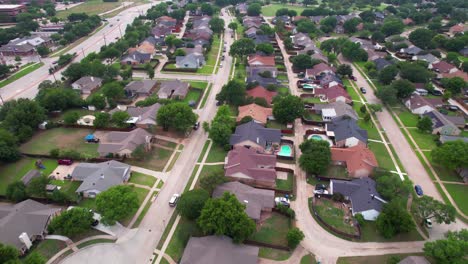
(335, 215)
(273, 230)
(156, 159)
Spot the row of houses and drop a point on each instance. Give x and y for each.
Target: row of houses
(198, 37)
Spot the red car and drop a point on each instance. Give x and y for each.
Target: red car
(65, 162)
(353, 78)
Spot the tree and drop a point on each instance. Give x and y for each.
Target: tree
(217, 24)
(425, 124)
(287, 108)
(232, 93)
(452, 57)
(392, 27)
(353, 51)
(233, 221)
(35, 258)
(210, 182)
(422, 37)
(16, 192)
(302, 62)
(37, 187)
(350, 25)
(367, 16)
(42, 50)
(113, 90)
(429, 208)
(306, 26)
(72, 222)
(8, 254)
(294, 237)
(191, 203)
(378, 36)
(394, 219)
(452, 154)
(242, 47)
(207, 9)
(391, 187)
(102, 119)
(316, 156)
(344, 69)
(254, 9)
(388, 74)
(21, 117)
(119, 118)
(233, 26)
(221, 127)
(414, 72)
(116, 203)
(8, 147)
(454, 85)
(388, 95)
(58, 98)
(71, 118)
(449, 251)
(178, 116)
(404, 88)
(266, 48)
(110, 53)
(375, 107)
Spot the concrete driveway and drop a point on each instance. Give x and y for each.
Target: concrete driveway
(63, 170)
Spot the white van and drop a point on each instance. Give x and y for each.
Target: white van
(174, 200)
(422, 92)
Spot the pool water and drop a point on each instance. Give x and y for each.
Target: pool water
(285, 150)
(316, 137)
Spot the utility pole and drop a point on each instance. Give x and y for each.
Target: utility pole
(82, 51)
(120, 31)
(104, 36)
(1, 98)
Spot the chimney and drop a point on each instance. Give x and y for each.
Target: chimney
(92, 78)
(258, 140)
(102, 176)
(25, 239)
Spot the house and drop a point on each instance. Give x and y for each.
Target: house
(145, 47)
(87, 84)
(25, 222)
(362, 194)
(459, 121)
(328, 79)
(261, 70)
(141, 88)
(379, 16)
(255, 135)
(251, 32)
(429, 58)
(381, 63)
(285, 19)
(457, 29)
(346, 132)
(124, 143)
(414, 260)
(411, 51)
(258, 60)
(460, 74)
(359, 160)
(420, 105)
(316, 19)
(218, 249)
(318, 69)
(173, 89)
(334, 110)
(190, 61)
(29, 176)
(441, 125)
(161, 31)
(443, 67)
(242, 8)
(98, 177)
(261, 92)
(135, 57)
(339, 29)
(143, 117)
(25, 46)
(166, 21)
(249, 166)
(257, 201)
(262, 39)
(335, 93)
(464, 52)
(301, 40)
(258, 113)
(256, 75)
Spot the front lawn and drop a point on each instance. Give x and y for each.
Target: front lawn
(209, 169)
(211, 57)
(68, 187)
(444, 173)
(382, 155)
(156, 159)
(270, 10)
(372, 132)
(141, 194)
(143, 179)
(285, 185)
(48, 248)
(193, 95)
(198, 85)
(408, 119)
(274, 254)
(369, 233)
(63, 138)
(424, 140)
(273, 230)
(375, 259)
(11, 172)
(308, 259)
(333, 216)
(216, 154)
(184, 230)
(458, 193)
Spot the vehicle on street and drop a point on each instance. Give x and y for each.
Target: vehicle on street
(218, 103)
(174, 199)
(418, 190)
(65, 162)
(220, 65)
(95, 222)
(436, 92)
(428, 223)
(196, 125)
(363, 90)
(222, 57)
(111, 25)
(353, 78)
(282, 200)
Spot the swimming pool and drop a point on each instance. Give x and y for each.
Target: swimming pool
(315, 137)
(318, 137)
(285, 150)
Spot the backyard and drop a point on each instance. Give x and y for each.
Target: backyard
(270, 10)
(156, 159)
(68, 187)
(273, 230)
(216, 154)
(285, 185)
(63, 138)
(336, 171)
(334, 216)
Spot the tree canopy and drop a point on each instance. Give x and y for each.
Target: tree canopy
(453, 154)
(425, 124)
(212, 180)
(429, 208)
(116, 203)
(391, 186)
(21, 117)
(287, 108)
(72, 222)
(422, 37)
(217, 24)
(222, 125)
(452, 250)
(242, 47)
(233, 93)
(178, 116)
(192, 202)
(316, 156)
(394, 219)
(254, 9)
(16, 191)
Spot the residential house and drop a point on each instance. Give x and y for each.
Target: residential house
(460, 74)
(141, 88)
(339, 29)
(334, 110)
(443, 139)
(174, 89)
(258, 60)
(258, 113)
(316, 19)
(346, 132)
(134, 57)
(420, 105)
(145, 47)
(166, 21)
(254, 135)
(459, 121)
(257, 201)
(123, 144)
(285, 19)
(464, 52)
(256, 75)
(143, 117)
(443, 67)
(249, 166)
(25, 222)
(411, 51)
(261, 92)
(161, 31)
(251, 32)
(262, 71)
(99, 177)
(429, 58)
(262, 39)
(341, 19)
(441, 125)
(190, 61)
(358, 160)
(379, 16)
(457, 29)
(414, 260)
(87, 84)
(301, 40)
(334, 93)
(218, 249)
(25, 46)
(362, 194)
(318, 70)
(26, 179)
(381, 63)
(242, 8)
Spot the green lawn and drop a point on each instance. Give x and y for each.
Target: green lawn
(275, 124)
(205, 98)
(312, 100)
(372, 132)
(192, 177)
(312, 116)
(209, 169)
(211, 57)
(270, 10)
(205, 147)
(369, 233)
(424, 140)
(459, 195)
(88, 203)
(11, 172)
(173, 161)
(156, 159)
(274, 254)
(375, 259)
(333, 216)
(286, 185)
(63, 138)
(92, 7)
(21, 73)
(185, 229)
(351, 91)
(95, 241)
(217, 154)
(143, 179)
(382, 155)
(48, 248)
(198, 85)
(444, 173)
(143, 212)
(408, 119)
(273, 230)
(193, 95)
(239, 72)
(141, 194)
(68, 187)
(283, 90)
(308, 259)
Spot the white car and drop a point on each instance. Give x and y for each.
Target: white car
(320, 192)
(174, 200)
(282, 200)
(428, 223)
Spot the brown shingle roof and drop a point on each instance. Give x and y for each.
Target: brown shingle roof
(261, 60)
(442, 66)
(258, 113)
(247, 163)
(356, 158)
(319, 68)
(261, 92)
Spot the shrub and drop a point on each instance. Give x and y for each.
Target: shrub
(54, 153)
(294, 237)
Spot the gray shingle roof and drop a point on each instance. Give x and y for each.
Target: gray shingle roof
(444, 138)
(341, 109)
(142, 87)
(146, 115)
(100, 176)
(117, 141)
(381, 63)
(438, 119)
(361, 192)
(345, 127)
(30, 175)
(173, 88)
(255, 133)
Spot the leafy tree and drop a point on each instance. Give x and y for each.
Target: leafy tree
(37, 187)
(378, 36)
(375, 107)
(207, 9)
(102, 119)
(119, 118)
(35, 258)
(353, 52)
(422, 37)
(294, 237)
(16, 192)
(350, 25)
(404, 88)
(8, 254)
(42, 50)
(254, 9)
(113, 90)
(425, 124)
(344, 69)
(388, 95)
(449, 251)
(116, 203)
(176, 115)
(267, 30)
(233, 26)
(139, 152)
(221, 127)
(72, 222)
(191, 203)
(287, 108)
(452, 154)
(281, 12)
(233, 93)
(71, 118)
(266, 48)
(233, 221)
(391, 187)
(414, 72)
(316, 156)
(452, 57)
(210, 182)
(302, 62)
(392, 27)
(394, 219)
(306, 26)
(242, 47)
(21, 117)
(110, 53)
(8, 146)
(367, 16)
(429, 208)
(454, 85)
(388, 74)
(58, 99)
(217, 24)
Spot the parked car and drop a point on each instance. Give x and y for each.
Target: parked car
(282, 200)
(218, 103)
(320, 186)
(95, 222)
(93, 140)
(418, 190)
(174, 199)
(222, 57)
(452, 107)
(363, 90)
(436, 92)
(221, 65)
(196, 125)
(65, 162)
(320, 192)
(353, 78)
(428, 223)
